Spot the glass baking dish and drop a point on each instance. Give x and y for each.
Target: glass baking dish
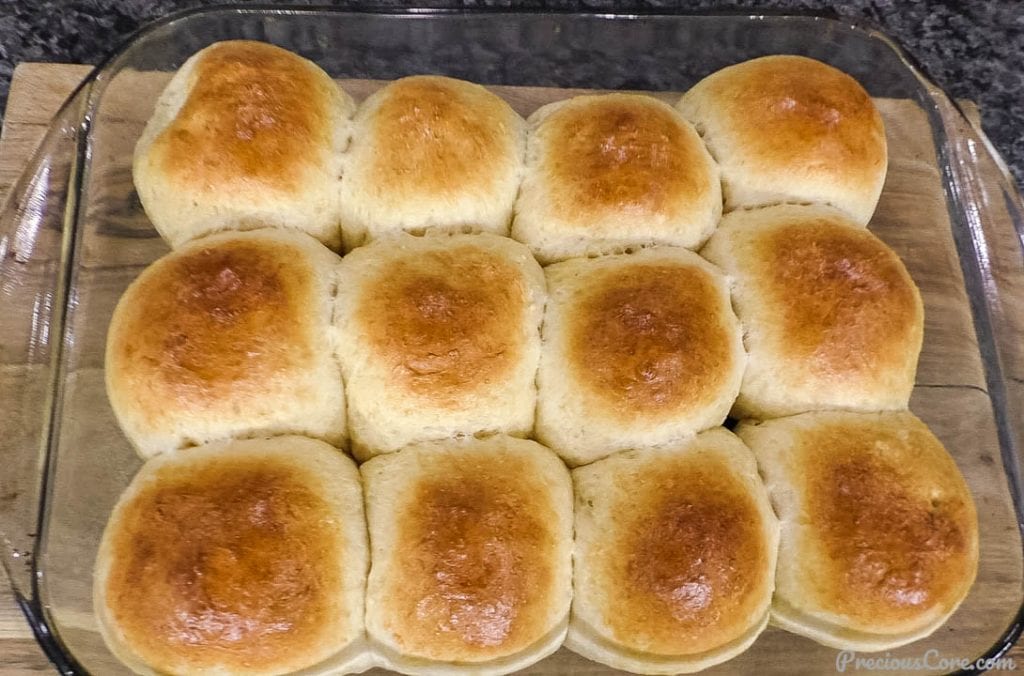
(73, 236)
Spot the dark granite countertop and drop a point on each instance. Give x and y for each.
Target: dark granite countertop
(973, 49)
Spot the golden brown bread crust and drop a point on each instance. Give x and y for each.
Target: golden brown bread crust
(255, 118)
(227, 337)
(648, 339)
(472, 554)
(485, 549)
(431, 154)
(791, 129)
(236, 560)
(790, 109)
(843, 297)
(438, 336)
(674, 556)
(639, 350)
(446, 322)
(220, 320)
(686, 574)
(875, 511)
(609, 173)
(896, 527)
(831, 318)
(622, 154)
(439, 135)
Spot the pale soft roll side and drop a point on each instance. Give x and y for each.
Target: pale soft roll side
(431, 153)
(471, 551)
(879, 531)
(606, 173)
(438, 336)
(245, 135)
(831, 318)
(674, 559)
(791, 129)
(228, 336)
(638, 350)
(243, 558)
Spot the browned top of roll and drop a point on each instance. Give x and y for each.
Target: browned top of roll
(843, 300)
(214, 320)
(435, 135)
(650, 338)
(231, 562)
(792, 111)
(446, 321)
(685, 571)
(893, 520)
(255, 114)
(476, 558)
(623, 153)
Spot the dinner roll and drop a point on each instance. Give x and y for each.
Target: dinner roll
(879, 532)
(431, 153)
(675, 556)
(638, 350)
(246, 135)
(471, 560)
(244, 557)
(791, 129)
(608, 172)
(228, 336)
(831, 319)
(438, 336)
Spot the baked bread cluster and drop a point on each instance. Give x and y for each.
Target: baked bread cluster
(532, 343)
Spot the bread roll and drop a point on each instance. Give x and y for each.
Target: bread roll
(831, 319)
(675, 556)
(879, 532)
(246, 135)
(791, 129)
(431, 153)
(438, 336)
(609, 172)
(471, 556)
(228, 336)
(245, 557)
(638, 350)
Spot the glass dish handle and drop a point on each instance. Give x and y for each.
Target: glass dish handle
(989, 204)
(36, 236)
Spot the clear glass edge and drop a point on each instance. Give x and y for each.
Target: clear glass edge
(945, 109)
(960, 172)
(72, 117)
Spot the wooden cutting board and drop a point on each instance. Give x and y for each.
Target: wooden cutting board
(36, 93)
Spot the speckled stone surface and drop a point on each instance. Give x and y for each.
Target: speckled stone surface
(973, 49)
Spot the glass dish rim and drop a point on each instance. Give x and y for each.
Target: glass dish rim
(35, 612)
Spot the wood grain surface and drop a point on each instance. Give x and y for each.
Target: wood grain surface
(39, 89)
